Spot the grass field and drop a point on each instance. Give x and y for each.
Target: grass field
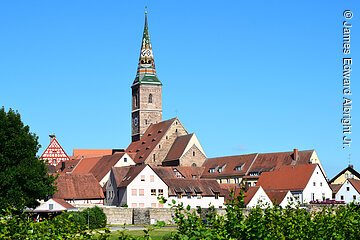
(157, 234)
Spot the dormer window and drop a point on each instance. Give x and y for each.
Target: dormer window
(239, 168)
(211, 170)
(220, 169)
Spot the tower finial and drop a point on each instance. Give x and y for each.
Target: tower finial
(145, 10)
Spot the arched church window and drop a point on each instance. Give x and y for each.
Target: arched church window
(150, 98)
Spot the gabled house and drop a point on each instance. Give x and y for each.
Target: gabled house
(79, 189)
(54, 205)
(54, 153)
(349, 191)
(280, 198)
(306, 182)
(135, 187)
(347, 173)
(256, 196)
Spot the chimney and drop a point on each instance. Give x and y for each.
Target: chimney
(52, 136)
(296, 154)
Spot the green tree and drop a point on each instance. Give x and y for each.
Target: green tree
(23, 177)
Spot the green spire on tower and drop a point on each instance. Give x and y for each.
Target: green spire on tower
(146, 72)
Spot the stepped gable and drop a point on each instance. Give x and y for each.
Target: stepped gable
(152, 136)
(78, 186)
(231, 166)
(178, 148)
(265, 162)
(287, 178)
(104, 165)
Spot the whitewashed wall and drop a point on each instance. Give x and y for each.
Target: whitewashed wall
(320, 190)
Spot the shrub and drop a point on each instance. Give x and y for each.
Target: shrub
(94, 217)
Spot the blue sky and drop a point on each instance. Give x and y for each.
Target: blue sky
(245, 76)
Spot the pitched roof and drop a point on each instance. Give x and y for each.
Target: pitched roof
(78, 186)
(86, 153)
(178, 148)
(86, 164)
(104, 165)
(189, 171)
(276, 197)
(356, 184)
(335, 187)
(186, 172)
(250, 193)
(287, 177)
(350, 168)
(229, 165)
(265, 162)
(63, 203)
(150, 139)
(125, 175)
(205, 187)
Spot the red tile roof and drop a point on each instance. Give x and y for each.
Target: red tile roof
(276, 197)
(249, 194)
(85, 153)
(205, 187)
(356, 184)
(265, 162)
(104, 165)
(178, 148)
(335, 187)
(287, 177)
(149, 140)
(125, 175)
(228, 165)
(78, 186)
(63, 203)
(86, 164)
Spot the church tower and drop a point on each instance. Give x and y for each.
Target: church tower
(146, 90)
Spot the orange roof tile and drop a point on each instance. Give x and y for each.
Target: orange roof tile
(356, 184)
(85, 153)
(276, 197)
(205, 187)
(63, 203)
(287, 177)
(249, 194)
(125, 175)
(149, 140)
(78, 186)
(104, 165)
(335, 187)
(86, 164)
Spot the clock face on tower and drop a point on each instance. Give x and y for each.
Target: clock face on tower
(136, 121)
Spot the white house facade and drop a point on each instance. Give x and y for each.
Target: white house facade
(349, 191)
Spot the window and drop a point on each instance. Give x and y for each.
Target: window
(134, 205)
(314, 184)
(153, 205)
(161, 192)
(136, 100)
(141, 192)
(347, 189)
(150, 98)
(133, 192)
(154, 157)
(238, 168)
(193, 176)
(354, 197)
(321, 184)
(125, 159)
(342, 197)
(193, 165)
(193, 153)
(145, 121)
(211, 170)
(178, 195)
(220, 169)
(216, 195)
(161, 205)
(143, 178)
(153, 192)
(188, 195)
(152, 178)
(51, 206)
(312, 196)
(198, 196)
(141, 205)
(159, 146)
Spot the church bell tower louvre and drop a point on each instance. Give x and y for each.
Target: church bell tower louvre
(146, 90)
